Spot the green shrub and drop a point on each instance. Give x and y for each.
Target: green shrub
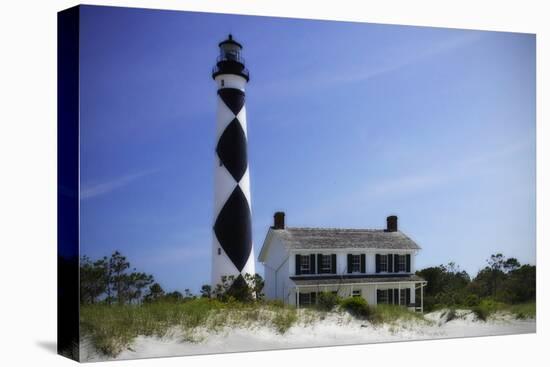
(430, 303)
(491, 305)
(471, 300)
(357, 307)
(326, 301)
(481, 312)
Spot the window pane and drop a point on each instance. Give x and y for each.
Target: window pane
(326, 263)
(383, 262)
(383, 297)
(304, 264)
(401, 262)
(356, 263)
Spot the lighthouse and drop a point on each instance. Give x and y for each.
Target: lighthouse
(232, 249)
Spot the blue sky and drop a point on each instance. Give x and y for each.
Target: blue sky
(347, 123)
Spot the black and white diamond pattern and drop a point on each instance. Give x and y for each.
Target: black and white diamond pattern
(231, 149)
(232, 227)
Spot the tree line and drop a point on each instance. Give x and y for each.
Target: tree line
(109, 280)
(502, 280)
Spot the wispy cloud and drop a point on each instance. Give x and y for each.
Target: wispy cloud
(465, 167)
(359, 73)
(102, 188)
(414, 184)
(440, 48)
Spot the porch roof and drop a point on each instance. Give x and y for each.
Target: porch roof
(354, 279)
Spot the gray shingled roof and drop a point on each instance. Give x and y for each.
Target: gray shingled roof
(332, 238)
(335, 280)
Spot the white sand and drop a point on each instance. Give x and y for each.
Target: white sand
(336, 329)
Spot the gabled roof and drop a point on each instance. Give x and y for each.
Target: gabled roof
(338, 238)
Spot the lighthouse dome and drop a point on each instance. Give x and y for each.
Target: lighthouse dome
(230, 60)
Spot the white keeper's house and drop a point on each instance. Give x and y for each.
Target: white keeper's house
(376, 264)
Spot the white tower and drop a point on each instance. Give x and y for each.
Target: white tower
(232, 249)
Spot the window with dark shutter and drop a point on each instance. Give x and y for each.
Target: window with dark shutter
(408, 263)
(333, 261)
(363, 263)
(312, 264)
(326, 262)
(377, 263)
(319, 262)
(298, 264)
(355, 263)
(383, 264)
(305, 265)
(401, 263)
(349, 263)
(390, 263)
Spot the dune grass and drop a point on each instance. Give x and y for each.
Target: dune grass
(112, 328)
(393, 313)
(524, 310)
(488, 307)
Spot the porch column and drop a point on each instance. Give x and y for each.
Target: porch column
(399, 294)
(422, 298)
(297, 297)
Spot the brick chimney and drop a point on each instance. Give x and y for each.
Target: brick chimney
(279, 220)
(391, 223)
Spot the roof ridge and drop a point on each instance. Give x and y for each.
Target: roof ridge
(338, 229)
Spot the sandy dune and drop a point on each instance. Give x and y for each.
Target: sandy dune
(336, 329)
